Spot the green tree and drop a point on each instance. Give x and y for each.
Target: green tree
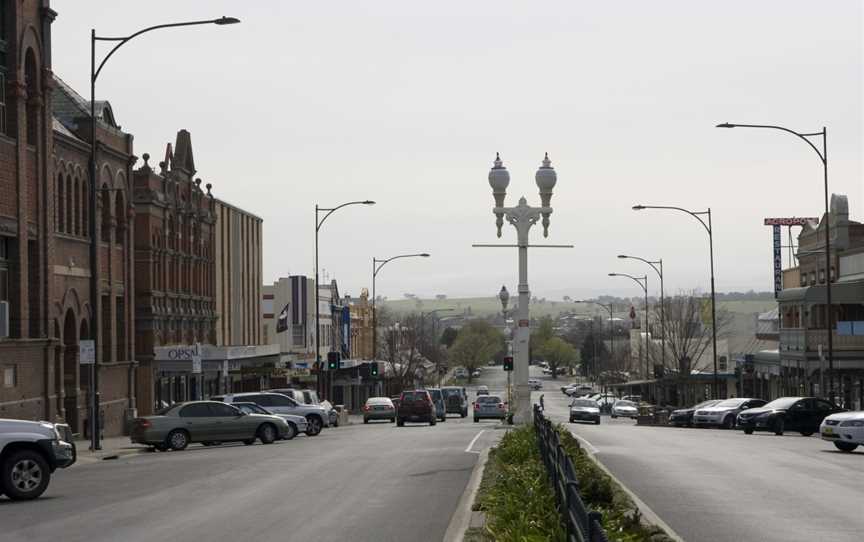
(591, 346)
(544, 331)
(448, 336)
(559, 353)
(475, 345)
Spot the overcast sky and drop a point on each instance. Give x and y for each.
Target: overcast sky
(406, 103)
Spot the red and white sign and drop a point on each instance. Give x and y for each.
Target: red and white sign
(523, 323)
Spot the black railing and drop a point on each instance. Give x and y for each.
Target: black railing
(581, 524)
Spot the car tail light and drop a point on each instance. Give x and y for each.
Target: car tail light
(366, 407)
(500, 405)
(476, 406)
(144, 424)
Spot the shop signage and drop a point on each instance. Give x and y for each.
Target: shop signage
(87, 352)
(793, 221)
(778, 262)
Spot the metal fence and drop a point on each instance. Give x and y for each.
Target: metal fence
(581, 524)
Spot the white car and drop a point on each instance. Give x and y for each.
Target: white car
(535, 384)
(624, 409)
(29, 453)
(844, 429)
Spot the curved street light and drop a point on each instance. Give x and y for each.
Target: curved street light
(643, 283)
(659, 270)
(318, 223)
(823, 157)
(708, 228)
(376, 267)
(92, 204)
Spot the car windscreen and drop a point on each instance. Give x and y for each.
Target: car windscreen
(451, 392)
(706, 404)
(624, 403)
(585, 403)
(489, 399)
(251, 408)
(413, 395)
(378, 401)
(783, 402)
(729, 403)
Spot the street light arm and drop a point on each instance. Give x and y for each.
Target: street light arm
(781, 128)
(658, 271)
(637, 280)
(388, 260)
(683, 210)
(334, 209)
(123, 40)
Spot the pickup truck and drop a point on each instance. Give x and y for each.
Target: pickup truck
(29, 453)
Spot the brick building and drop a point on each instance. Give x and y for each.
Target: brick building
(45, 271)
(175, 235)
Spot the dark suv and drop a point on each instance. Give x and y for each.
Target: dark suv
(455, 400)
(415, 406)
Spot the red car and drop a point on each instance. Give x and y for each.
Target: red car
(415, 406)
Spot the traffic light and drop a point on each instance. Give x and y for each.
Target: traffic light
(508, 363)
(333, 361)
(373, 369)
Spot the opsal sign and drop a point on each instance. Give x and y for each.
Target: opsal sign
(794, 221)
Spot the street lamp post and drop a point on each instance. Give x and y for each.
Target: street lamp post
(504, 296)
(318, 223)
(643, 283)
(523, 217)
(823, 157)
(611, 330)
(659, 270)
(435, 338)
(93, 202)
(708, 228)
(376, 267)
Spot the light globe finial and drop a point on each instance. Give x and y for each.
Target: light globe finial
(546, 179)
(499, 179)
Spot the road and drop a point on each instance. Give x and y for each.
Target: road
(715, 485)
(371, 482)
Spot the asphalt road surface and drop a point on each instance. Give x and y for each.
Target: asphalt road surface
(714, 485)
(371, 482)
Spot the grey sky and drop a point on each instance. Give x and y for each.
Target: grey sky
(406, 103)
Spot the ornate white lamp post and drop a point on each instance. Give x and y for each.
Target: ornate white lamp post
(522, 217)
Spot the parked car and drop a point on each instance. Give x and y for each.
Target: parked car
(207, 422)
(624, 409)
(310, 397)
(461, 372)
(845, 430)
(332, 413)
(489, 406)
(415, 406)
(296, 424)
(802, 414)
(535, 384)
(475, 373)
(605, 401)
(683, 417)
(635, 398)
(482, 390)
(455, 400)
(29, 453)
(379, 408)
(438, 401)
(395, 400)
(577, 390)
(725, 413)
(316, 416)
(584, 410)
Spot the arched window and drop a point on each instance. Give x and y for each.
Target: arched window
(106, 214)
(61, 203)
(85, 208)
(120, 216)
(70, 208)
(76, 205)
(30, 80)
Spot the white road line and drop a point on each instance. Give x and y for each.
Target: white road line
(473, 440)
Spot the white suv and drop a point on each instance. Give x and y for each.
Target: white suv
(277, 403)
(29, 453)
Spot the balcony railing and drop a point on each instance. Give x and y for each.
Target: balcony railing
(808, 340)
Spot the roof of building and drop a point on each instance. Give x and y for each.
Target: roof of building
(69, 106)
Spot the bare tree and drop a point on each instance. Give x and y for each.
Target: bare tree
(402, 344)
(688, 337)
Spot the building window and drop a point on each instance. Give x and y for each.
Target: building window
(297, 335)
(2, 90)
(812, 278)
(821, 276)
(10, 376)
(4, 269)
(61, 204)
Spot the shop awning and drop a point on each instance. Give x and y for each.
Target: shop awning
(849, 293)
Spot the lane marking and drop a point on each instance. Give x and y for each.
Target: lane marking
(473, 440)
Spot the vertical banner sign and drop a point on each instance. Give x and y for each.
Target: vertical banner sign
(778, 262)
(196, 359)
(86, 352)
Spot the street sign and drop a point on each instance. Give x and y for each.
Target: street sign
(524, 323)
(225, 368)
(87, 352)
(196, 364)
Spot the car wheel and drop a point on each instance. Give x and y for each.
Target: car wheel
(806, 433)
(614, 416)
(476, 420)
(778, 426)
(572, 420)
(845, 446)
(25, 475)
(314, 426)
(464, 413)
(365, 420)
(729, 422)
(177, 440)
(291, 432)
(597, 421)
(400, 423)
(748, 431)
(432, 421)
(249, 441)
(392, 420)
(267, 433)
